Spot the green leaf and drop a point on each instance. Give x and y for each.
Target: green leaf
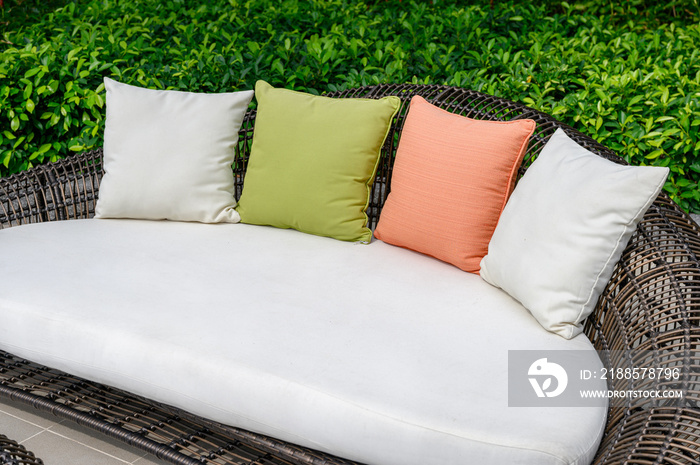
(7, 156)
(601, 95)
(28, 90)
(649, 124)
(53, 86)
(31, 72)
(661, 119)
(72, 53)
(278, 67)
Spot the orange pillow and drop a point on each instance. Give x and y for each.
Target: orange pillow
(452, 178)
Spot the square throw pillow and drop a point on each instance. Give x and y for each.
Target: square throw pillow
(564, 229)
(452, 177)
(313, 160)
(168, 154)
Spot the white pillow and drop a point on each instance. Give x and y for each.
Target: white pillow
(168, 154)
(564, 229)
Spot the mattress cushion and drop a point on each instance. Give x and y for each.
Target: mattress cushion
(371, 352)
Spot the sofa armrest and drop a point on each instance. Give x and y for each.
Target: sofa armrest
(63, 190)
(652, 304)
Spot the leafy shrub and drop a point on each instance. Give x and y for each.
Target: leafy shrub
(627, 73)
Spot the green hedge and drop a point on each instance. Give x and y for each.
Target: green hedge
(626, 74)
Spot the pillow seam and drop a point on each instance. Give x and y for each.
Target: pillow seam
(517, 163)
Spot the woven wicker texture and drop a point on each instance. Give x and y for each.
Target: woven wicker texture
(652, 302)
(12, 453)
(165, 432)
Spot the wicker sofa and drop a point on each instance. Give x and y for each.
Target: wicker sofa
(652, 302)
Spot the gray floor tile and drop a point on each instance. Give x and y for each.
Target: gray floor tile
(16, 428)
(58, 450)
(30, 414)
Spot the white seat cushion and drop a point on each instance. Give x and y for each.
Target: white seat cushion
(371, 352)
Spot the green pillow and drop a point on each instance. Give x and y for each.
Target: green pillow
(313, 161)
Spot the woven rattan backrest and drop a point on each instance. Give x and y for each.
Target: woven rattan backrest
(68, 189)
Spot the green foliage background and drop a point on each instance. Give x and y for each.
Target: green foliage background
(628, 73)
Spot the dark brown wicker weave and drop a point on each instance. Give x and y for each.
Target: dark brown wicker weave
(12, 453)
(651, 303)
